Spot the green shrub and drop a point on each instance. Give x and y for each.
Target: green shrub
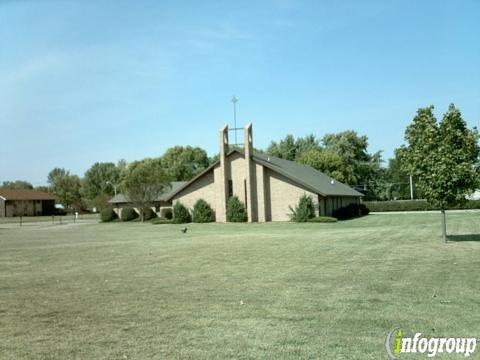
(202, 212)
(160, 221)
(128, 214)
(236, 211)
(181, 215)
(148, 214)
(168, 214)
(350, 211)
(107, 215)
(415, 205)
(304, 210)
(322, 219)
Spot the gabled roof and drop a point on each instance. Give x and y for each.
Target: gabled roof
(172, 187)
(307, 176)
(24, 194)
(304, 175)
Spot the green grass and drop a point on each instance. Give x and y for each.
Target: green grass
(328, 291)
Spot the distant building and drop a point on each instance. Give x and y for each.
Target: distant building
(267, 185)
(160, 205)
(15, 202)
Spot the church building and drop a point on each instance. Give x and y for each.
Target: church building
(267, 185)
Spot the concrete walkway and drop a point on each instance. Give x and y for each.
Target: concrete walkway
(425, 212)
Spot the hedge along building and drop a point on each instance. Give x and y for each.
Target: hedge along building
(267, 185)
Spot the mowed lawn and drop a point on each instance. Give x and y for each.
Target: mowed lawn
(277, 291)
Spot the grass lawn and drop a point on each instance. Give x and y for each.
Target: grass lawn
(328, 291)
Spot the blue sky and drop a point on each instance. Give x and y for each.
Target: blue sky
(86, 81)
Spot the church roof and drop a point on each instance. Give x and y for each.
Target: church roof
(172, 188)
(307, 176)
(25, 194)
(304, 175)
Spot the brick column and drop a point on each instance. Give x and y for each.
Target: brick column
(248, 143)
(222, 189)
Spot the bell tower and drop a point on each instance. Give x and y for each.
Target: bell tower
(249, 173)
(221, 213)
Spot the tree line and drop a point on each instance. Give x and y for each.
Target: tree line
(343, 156)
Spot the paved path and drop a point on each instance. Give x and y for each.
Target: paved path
(426, 211)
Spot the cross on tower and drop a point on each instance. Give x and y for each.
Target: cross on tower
(235, 129)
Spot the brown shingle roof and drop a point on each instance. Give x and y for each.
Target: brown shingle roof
(14, 194)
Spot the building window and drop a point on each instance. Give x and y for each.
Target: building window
(230, 188)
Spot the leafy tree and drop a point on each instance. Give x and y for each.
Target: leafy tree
(100, 179)
(236, 211)
(290, 149)
(443, 158)
(144, 182)
(397, 179)
(42, 188)
(66, 187)
(358, 165)
(202, 212)
(326, 161)
(17, 184)
(100, 202)
(304, 210)
(343, 156)
(184, 162)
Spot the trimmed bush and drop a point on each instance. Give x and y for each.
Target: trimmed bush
(322, 219)
(415, 205)
(350, 211)
(202, 212)
(181, 215)
(161, 221)
(128, 214)
(304, 210)
(236, 211)
(148, 214)
(107, 215)
(168, 214)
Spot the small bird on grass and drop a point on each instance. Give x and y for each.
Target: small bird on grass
(184, 230)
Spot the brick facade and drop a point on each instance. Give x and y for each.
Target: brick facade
(266, 193)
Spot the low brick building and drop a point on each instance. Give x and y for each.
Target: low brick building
(267, 185)
(160, 205)
(15, 202)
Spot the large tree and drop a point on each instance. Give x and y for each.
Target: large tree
(343, 156)
(290, 148)
(17, 184)
(100, 179)
(182, 163)
(65, 186)
(144, 182)
(360, 167)
(326, 161)
(443, 158)
(398, 179)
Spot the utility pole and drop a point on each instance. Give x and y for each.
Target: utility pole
(114, 187)
(234, 101)
(411, 187)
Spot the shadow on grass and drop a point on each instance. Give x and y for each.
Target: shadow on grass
(464, 237)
